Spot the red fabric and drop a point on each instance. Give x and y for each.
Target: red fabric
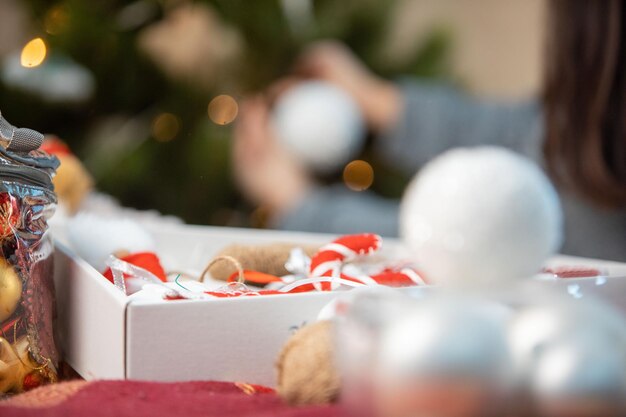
(146, 260)
(152, 399)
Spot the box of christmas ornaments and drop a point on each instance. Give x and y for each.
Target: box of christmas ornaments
(200, 317)
(461, 306)
(188, 302)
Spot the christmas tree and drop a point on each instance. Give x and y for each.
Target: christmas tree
(127, 85)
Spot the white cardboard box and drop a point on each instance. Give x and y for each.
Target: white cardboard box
(103, 335)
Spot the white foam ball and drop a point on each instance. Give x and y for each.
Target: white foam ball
(320, 124)
(481, 215)
(580, 369)
(452, 349)
(94, 237)
(447, 337)
(536, 327)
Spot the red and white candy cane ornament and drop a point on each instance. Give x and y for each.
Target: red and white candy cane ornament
(328, 261)
(326, 268)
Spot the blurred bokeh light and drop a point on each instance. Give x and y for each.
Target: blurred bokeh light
(223, 109)
(358, 175)
(56, 19)
(165, 127)
(33, 53)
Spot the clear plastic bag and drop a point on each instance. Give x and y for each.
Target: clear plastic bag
(28, 355)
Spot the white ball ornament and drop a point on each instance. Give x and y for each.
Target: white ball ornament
(536, 327)
(447, 336)
(95, 238)
(481, 215)
(320, 124)
(580, 376)
(452, 349)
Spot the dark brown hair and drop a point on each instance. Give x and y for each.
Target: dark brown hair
(585, 98)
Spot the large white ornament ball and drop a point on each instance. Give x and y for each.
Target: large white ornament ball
(580, 373)
(320, 124)
(534, 328)
(447, 336)
(481, 215)
(448, 357)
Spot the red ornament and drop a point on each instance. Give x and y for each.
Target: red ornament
(329, 259)
(343, 249)
(327, 264)
(254, 277)
(55, 146)
(9, 215)
(405, 277)
(32, 380)
(146, 260)
(573, 272)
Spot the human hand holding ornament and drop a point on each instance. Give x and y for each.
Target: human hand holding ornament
(379, 100)
(320, 124)
(267, 174)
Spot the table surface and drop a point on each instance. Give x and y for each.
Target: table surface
(151, 399)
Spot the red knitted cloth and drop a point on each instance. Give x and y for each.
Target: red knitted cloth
(152, 399)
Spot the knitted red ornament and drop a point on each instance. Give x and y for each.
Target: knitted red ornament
(146, 260)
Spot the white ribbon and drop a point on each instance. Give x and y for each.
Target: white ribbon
(120, 267)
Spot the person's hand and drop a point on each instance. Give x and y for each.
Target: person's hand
(267, 174)
(380, 100)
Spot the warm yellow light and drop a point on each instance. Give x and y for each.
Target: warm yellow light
(165, 127)
(223, 109)
(33, 53)
(358, 175)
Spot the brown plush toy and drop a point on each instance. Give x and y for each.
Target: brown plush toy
(306, 368)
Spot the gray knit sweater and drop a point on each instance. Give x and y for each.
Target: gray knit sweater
(437, 117)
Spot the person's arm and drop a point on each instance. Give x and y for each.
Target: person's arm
(417, 120)
(436, 117)
(269, 176)
(337, 210)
